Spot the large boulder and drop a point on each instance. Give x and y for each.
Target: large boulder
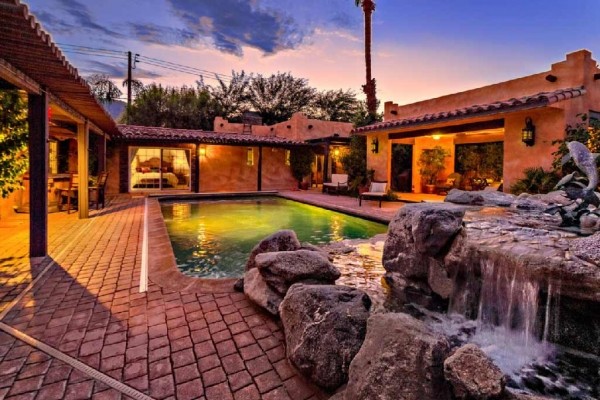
(473, 375)
(260, 293)
(324, 325)
(480, 198)
(282, 269)
(399, 359)
(419, 237)
(284, 240)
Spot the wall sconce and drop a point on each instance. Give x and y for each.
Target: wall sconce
(528, 133)
(375, 146)
(249, 156)
(202, 151)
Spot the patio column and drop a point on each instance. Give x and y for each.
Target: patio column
(195, 174)
(259, 178)
(326, 166)
(83, 144)
(37, 119)
(102, 154)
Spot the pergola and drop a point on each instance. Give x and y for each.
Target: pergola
(31, 62)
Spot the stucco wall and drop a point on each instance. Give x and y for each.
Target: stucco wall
(7, 204)
(381, 161)
(275, 174)
(299, 127)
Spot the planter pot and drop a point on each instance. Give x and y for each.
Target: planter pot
(430, 189)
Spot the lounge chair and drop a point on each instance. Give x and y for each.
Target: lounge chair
(338, 182)
(97, 191)
(377, 190)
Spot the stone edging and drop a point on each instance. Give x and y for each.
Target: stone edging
(162, 267)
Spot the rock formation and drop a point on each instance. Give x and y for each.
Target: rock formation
(324, 326)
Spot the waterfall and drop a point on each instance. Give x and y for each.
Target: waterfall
(510, 325)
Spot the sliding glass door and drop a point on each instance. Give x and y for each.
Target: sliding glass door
(159, 168)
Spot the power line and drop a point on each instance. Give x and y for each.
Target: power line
(99, 52)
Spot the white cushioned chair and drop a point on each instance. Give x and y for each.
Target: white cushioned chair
(377, 190)
(338, 182)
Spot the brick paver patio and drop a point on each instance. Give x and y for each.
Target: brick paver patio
(166, 344)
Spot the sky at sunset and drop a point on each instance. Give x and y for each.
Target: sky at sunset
(421, 48)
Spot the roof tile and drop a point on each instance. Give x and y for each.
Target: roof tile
(539, 99)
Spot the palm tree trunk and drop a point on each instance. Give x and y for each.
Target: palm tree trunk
(369, 88)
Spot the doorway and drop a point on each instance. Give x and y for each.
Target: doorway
(402, 159)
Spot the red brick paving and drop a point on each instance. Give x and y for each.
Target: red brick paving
(166, 344)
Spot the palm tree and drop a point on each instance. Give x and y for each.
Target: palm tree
(368, 7)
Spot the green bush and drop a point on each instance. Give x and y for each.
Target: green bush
(535, 181)
(354, 162)
(301, 160)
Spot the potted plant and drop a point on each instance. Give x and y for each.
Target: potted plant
(431, 163)
(301, 160)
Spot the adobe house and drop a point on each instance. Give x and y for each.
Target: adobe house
(236, 157)
(330, 139)
(63, 117)
(499, 114)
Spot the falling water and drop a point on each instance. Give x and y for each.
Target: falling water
(507, 316)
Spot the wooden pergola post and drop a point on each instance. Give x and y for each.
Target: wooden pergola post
(259, 178)
(326, 165)
(38, 174)
(102, 154)
(83, 144)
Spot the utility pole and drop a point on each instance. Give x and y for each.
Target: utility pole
(128, 84)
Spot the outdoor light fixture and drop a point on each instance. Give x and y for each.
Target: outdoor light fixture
(336, 152)
(436, 137)
(375, 146)
(202, 151)
(528, 133)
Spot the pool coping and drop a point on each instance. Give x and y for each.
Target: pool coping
(340, 209)
(162, 265)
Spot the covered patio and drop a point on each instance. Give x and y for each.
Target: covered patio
(61, 108)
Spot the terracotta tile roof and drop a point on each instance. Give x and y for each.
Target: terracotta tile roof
(526, 102)
(28, 48)
(150, 133)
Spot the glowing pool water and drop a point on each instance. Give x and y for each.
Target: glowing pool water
(212, 239)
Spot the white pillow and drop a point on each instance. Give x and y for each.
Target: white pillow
(378, 187)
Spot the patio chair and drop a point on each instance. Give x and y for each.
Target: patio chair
(377, 190)
(70, 195)
(338, 182)
(97, 191)
(453, 181)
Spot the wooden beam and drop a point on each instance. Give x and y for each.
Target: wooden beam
(326, 165)
(38, 174)
(259, 175)
(473, 126)
(75, 116)
(83, 145)
(17, 78)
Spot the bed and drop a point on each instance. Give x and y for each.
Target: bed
(152, 180)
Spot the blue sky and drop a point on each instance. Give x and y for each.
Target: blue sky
(421, 49)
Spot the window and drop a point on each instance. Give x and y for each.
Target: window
(53, 157)
(159, 168)
(250, 156)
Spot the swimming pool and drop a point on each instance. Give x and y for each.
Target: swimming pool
(213, 238)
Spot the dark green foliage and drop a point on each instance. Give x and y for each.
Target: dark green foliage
(355, 163)
(301, 160)
(535, 181)
(582, 132)
(335, 105)
(230, 99)
(486, 159)
(13, 141)
(277, 97)
(184, 108)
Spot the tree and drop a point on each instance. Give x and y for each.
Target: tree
(355, 163)
(277, 97)
(230, 99)
(584, 131)
(184, 108)
(13, 141)
(136, 86)
(103, 88)
(335, 105)
(301, 160)
(368, 7)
